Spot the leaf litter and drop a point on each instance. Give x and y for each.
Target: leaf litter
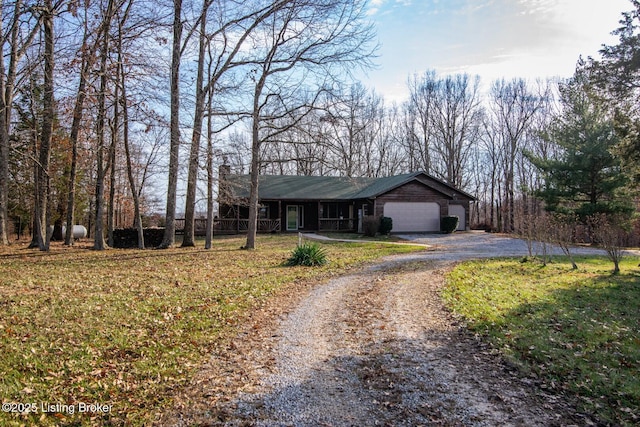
(376, 347)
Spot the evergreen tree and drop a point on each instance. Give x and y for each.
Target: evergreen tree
(618, 74)
(585, 178)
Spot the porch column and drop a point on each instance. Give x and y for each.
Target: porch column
(237, 219)
(280, 214)
(319, 215)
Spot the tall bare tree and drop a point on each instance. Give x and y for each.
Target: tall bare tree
(42, 170)
(87, 59)
(304, 42)
(418, 113)
(124, 102)
(456, 123)
(192, 180)
(513, 106)
(174, 150)
(235, 25)
(101, 167)
(20, 34)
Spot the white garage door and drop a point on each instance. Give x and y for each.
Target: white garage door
(413, 216)
(458, 210)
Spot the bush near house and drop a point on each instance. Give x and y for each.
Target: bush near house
(370, 226)
(449, 224)
(386, 225)
(128, 237)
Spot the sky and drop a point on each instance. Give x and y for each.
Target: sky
(491, 38)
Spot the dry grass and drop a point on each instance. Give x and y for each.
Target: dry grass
(129, 328)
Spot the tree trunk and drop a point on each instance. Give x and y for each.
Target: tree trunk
(99, 243)
(6, 99)
(112, 161)
(252, 228)
(43, 181)
(192, 180)
(4, 153)
(137, 223)
(210, 202)
(78, 109)
(174, 150)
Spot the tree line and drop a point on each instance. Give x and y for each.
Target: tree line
(113, 107)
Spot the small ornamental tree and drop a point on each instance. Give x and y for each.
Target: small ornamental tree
(609, 232)
(562, 231)
(370, 226)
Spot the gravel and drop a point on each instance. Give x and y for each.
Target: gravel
(376, 347)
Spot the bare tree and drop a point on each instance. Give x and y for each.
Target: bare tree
(174, 150)
(456, 122)
(562, 230)
(608, 231)
(101, 167)
(4, 141)
(42, 169)
(512, 107)
(418, 120)
(87, 61)
(228, 40)
(123, 101)
(192, 180)
(19, 37)
(304, 41)
(350, 130)
(210, 178)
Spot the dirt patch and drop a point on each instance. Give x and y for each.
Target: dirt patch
(372, 348)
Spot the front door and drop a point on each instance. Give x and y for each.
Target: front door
(292, 218)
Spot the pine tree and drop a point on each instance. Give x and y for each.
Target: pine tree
(586, 177)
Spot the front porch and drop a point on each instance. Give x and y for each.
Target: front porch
(295, 216)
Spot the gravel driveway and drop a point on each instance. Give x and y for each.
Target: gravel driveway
(478, 244)
(376, 347)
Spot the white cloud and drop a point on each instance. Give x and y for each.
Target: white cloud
(372, 11)
(493, 38)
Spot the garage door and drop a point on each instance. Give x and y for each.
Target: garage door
(458, 210)
(413, 216)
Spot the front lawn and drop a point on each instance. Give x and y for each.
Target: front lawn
(125, 329)
(579, 331)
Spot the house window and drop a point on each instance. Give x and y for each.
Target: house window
(329, 210)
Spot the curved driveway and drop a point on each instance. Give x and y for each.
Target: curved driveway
(479, 244)
(378, 347)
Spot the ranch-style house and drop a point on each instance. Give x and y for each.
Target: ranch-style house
(414, 201)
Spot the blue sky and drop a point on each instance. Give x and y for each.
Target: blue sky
(492, 38)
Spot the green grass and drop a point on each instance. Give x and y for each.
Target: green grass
(579, 331)
(128, 328)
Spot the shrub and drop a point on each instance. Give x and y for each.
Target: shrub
(308, 254)
(370, 226)
(386, 225)
(128, 237)
(449, 224)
